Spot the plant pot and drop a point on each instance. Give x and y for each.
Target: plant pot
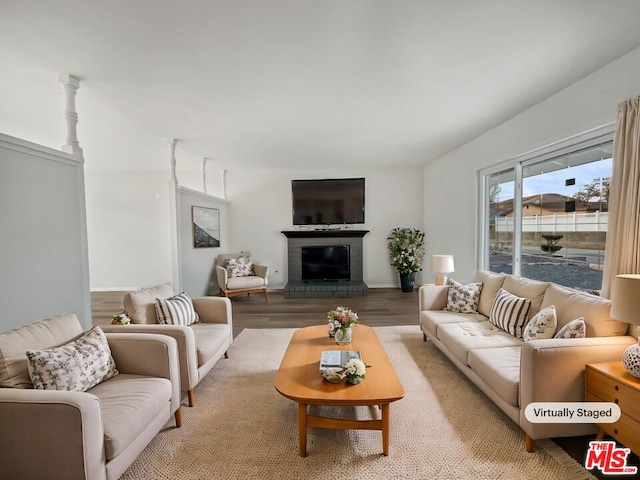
(407, 280)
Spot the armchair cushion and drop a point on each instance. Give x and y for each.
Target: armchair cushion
(245, 283)
(78, 365)
(177, 310)
(140, 305)
(239, 267)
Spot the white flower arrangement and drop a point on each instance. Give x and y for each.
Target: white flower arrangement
(355, 367)
(121, 319)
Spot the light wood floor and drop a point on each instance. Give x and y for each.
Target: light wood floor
(382, 307)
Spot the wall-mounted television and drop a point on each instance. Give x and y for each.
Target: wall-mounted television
(328, 201)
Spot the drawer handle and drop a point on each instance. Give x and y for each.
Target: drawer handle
(616, 388)
(615, 431)
(616, 401)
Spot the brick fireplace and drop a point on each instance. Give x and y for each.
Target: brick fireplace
(296, 287)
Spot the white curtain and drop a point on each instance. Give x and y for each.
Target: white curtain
(622, 254)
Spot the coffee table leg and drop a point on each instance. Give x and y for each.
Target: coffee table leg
(385, 429)
(302, 428)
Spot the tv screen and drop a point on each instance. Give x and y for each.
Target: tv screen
(325, 263)
(328, 201)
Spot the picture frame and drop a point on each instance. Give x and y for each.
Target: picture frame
(205, 227)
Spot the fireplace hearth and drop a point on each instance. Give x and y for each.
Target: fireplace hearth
(333, 267)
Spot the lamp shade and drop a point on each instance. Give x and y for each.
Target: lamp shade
(625, 299)
(442, 263)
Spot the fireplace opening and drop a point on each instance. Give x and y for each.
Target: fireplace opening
(326, 263)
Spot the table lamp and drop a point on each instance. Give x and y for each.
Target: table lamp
(442, 264)
(625, 307)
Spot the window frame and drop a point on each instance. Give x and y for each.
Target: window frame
(587, 139)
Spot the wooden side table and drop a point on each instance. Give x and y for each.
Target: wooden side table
(610, 382)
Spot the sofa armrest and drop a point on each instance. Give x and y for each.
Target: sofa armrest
(552, 370)
(215, 310)
(148, 354)
(432, 297)
(51, 434)
(261, 271)
(222, 276)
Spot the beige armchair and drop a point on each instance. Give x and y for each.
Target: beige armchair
(200, 345)
(239, 285)
(95, 434)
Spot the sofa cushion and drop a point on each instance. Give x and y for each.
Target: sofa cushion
(542, 325)
(52, 332)
(527, 288)
(140, 305)
(491, 284)
(431, 319)
(571, 304)
(500, 369)
(244, 283)
(177, 310)
(209, 338)
(574, 329)
(129, 403)
(76, 366)
(463, 298)
(461, 338)
(509, 312)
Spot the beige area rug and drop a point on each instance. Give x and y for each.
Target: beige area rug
(444, 427)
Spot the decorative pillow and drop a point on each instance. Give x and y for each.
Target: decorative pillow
(76, 366)
(574, 329)
(177, 310)
(509, 312)
(463, 298)
(239, 267)
(542, 325)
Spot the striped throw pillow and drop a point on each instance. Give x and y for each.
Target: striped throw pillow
(177, 310)
(509, 312)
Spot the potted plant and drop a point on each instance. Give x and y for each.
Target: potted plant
(406, 253)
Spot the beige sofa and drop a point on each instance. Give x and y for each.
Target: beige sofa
(95, 434)
(200, 345)
(513, 373)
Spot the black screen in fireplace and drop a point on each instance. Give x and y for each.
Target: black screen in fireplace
(325, 263)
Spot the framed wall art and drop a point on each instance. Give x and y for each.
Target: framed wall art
(206, 227)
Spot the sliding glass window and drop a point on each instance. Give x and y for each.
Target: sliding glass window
(546, 217)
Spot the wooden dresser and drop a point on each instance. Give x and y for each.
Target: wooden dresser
(610, 382)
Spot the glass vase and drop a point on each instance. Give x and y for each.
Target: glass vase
(343, 336)
(355, 379)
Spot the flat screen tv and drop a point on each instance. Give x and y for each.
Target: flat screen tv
(325, 263)
(328, 201)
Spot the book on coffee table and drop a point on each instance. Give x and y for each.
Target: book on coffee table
(337, 358)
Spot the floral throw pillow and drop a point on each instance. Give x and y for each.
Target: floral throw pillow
(542, 325)
(239, 267)
(463, 298)
(574, 329)
(76, 366)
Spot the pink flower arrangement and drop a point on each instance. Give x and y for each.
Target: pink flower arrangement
(342, 318)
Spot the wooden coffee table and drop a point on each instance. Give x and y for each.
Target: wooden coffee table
(299, 379)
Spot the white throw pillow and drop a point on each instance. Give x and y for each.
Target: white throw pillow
(509, 312)
(76, 366)
(239, 267)
(574, 329)
(177, 310)
(463, 298)
(542, 325)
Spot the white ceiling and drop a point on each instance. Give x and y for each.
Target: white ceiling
(323, 83)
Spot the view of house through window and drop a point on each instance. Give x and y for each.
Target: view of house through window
(561, 221)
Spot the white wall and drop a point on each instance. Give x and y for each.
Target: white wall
(451, 182)
(260, 208)
(44, 268)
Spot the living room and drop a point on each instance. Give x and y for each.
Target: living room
(533, 88)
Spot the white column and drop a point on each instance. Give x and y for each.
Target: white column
(172, 158)
(174, 206)
(204, 174)
(70, 85)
